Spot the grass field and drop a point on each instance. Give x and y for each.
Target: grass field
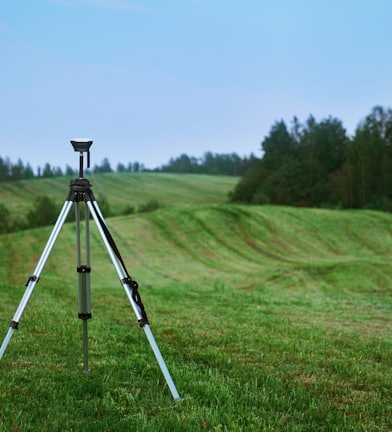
(122, 190)
(269, 319)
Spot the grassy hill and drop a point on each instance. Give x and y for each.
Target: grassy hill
(269, 318)
(123, 189)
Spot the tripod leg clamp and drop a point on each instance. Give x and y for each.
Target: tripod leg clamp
(83, 269)
(32, 278)
(133, 285)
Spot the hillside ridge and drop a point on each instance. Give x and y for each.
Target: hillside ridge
(240, 245)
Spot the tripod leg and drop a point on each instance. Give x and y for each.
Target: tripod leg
(33, 280)
(84, 271)
(129, 290)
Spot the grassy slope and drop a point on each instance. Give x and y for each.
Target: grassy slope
(123, 190)
(269, 319)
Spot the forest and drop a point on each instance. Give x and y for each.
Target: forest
(316, 164)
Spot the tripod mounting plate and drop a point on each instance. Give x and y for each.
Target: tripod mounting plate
(81, 144)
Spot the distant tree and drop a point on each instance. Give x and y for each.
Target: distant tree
(69, 171)
(47, 171)
(135, 167)
(182, 164)
(121, 168)
(28, 172)
(277, 146)
(4, 169)
(210, 163)
(235, 165)
(322, 150)
(301, 166)
(368, 170)
(278, 143)
(105, 167)
(250, 183)
(17, 171)
(10, 171)
(57, 172)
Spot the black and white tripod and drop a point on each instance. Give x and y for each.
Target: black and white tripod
(80, 191)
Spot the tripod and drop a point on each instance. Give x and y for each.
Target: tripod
(80, 191)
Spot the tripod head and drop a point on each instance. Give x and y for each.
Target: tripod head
(82, 145)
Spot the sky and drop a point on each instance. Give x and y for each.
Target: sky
(149, 80)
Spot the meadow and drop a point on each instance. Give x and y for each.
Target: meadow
(269, 318)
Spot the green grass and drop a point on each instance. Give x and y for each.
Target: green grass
(122, 190)
(269, 319)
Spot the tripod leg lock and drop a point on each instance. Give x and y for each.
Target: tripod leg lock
(32, 278)
(14, 325)
(133, 285)
(129, 281)
(83, 269)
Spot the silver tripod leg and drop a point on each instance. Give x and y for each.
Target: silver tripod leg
(84, 285)
(122, 273)
(33, 280)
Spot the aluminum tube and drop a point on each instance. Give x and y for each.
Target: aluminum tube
(120, 271)
(6, 341)
(41, 263)
(122, 274)
(117, 265)
(85, 347)
(96, 205)
(161, 362)
(77, 225)
(53, 237)
(88, 263)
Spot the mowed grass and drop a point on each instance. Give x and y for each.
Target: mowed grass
(269, 319)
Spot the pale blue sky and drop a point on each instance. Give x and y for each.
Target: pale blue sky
(148, 80)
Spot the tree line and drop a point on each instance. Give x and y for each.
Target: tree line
(230, 164)
(10, 171)
(210, 163)
(316, 164)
